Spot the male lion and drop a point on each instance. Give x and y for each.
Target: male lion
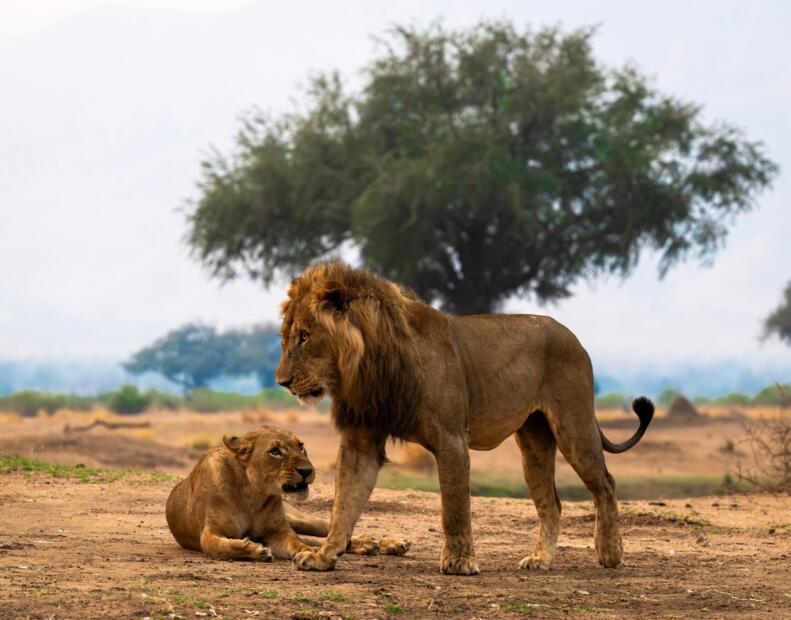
(230, 506)
(397, 368)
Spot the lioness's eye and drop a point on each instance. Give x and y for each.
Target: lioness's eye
(275, 452)
(301, 447)
(303, 336)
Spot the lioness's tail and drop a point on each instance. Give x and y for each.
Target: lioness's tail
(644, 409)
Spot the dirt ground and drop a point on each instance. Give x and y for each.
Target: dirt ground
(82, 550)
(71, 549)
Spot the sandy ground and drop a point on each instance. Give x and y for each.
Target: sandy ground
(84, 550)
(666, 450)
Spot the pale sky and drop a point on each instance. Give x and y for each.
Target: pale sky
(106, 108)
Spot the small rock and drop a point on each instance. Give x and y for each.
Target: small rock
(657, 503)
(687, 505)
(671, 552)
(582, 592)
(716, 504)
(772, 530)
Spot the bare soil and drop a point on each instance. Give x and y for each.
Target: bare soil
(81, 550)
(70, 549)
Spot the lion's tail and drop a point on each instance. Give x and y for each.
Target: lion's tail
(644, 409)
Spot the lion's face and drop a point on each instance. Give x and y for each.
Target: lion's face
(308, 365)
(275, 460)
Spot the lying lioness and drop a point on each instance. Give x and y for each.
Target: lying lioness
(231, 506)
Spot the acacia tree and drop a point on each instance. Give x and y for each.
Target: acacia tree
(474, 166)
(779, 322)
(192, 355)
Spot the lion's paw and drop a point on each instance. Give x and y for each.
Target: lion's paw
(312, 560)
(538, 560)
(611, 557)
(459, 565)
(363, 545)
(394, 546)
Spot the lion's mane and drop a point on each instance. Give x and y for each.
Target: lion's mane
(367, 316)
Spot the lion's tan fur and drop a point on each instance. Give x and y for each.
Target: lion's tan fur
(231, 505)
(396, 367)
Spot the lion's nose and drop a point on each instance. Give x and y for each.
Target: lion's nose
(305, 472)
(286, 382)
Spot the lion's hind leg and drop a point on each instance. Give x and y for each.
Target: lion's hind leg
(538, 447)
(220, 547)
(580, 443)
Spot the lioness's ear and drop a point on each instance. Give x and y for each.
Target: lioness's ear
(334, 296)
(232, 443)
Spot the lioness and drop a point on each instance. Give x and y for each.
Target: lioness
(397, 368)
(230, 506)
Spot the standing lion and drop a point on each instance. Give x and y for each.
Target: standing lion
(397, 368)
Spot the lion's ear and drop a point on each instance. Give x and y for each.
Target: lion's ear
(334, 296)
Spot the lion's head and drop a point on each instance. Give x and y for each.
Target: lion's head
(346, 334)
(275, 460)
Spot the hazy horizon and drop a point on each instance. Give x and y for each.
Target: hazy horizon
(110, 105)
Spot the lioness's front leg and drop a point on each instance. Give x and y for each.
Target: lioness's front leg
(215, 545)
(453, 467)
(355, 477)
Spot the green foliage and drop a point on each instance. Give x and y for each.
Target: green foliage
(29, 402)
(667, 396)
(193, 355)
(210, 401)
(779, 322)
(474, 165)
(734, 398)
(774, 396)
(128, 399)
(612, 400)
(189, 356)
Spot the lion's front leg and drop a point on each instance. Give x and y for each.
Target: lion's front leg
(453, 467)
(355, 477)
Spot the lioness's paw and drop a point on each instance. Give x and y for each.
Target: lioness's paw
(363, 545)
(312, 560)
(611, 557)
(459, 565)
(536, 561)
(394, 546)
(261, 553)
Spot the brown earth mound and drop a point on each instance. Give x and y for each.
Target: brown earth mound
(683, 410)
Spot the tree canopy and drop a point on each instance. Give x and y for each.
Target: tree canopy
(192, 355)
(779, 322)
(476, 165)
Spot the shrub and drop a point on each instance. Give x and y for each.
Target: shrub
(612, 400)
(29, 402)
(667, 396)
(772, 396)
(734, 398)
(128, 399)
(164, 400)
(769, 440)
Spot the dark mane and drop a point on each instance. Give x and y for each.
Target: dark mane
(382, 394)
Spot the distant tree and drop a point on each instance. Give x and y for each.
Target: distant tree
(254, 351)
(667, 396)
(189, 356)
(779, 322)
(128, 399)
(476, 165)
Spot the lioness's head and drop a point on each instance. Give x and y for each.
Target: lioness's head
(275, 460)
(334, 314)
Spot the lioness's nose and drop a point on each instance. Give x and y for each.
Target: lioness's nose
(286, 382)
(305, 471)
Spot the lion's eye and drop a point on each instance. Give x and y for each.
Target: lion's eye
(303, 336)
(275, 452)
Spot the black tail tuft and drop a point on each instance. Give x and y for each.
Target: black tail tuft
(644, 409)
